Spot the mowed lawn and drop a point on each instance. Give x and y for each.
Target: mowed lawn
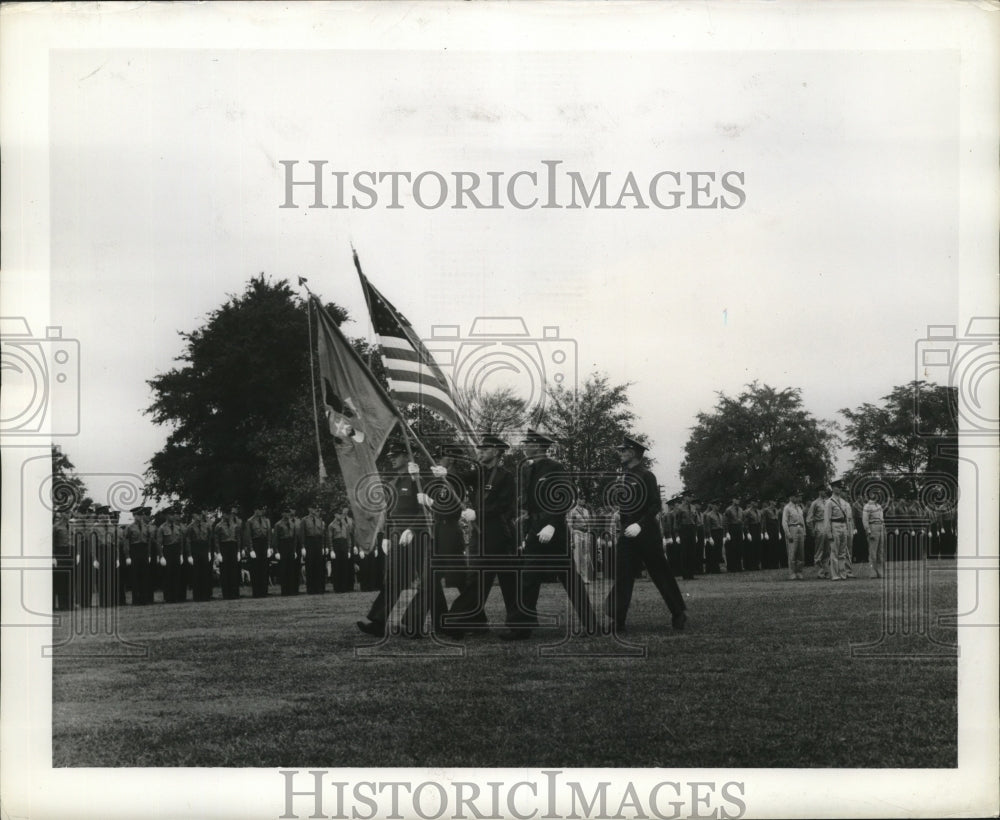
(763, 676)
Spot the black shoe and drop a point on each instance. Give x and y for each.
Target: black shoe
(372, 628)
(515, 635)
(451, 633)
(680, 620)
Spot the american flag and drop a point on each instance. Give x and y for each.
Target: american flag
(414, 376)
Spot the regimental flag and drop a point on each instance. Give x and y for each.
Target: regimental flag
(414, 377)
(360, 418)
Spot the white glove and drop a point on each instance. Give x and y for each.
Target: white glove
(191, 560)
(912, 534)
(670, 540)
(406, 538)
(303, 553)
(412, 468)
(767, 537)
(253, 555)
(520, 549)
(78, 560)
(163, 562)
(218, 557)
(632, 530)
(710, 542)
(54, 562)
(180, 560)
(545, 533)
(97, 564)
(270, 552)
(385, 545)
(469, 515)
(277, 556)
(424, 500)
(438, 471)
(128, 562)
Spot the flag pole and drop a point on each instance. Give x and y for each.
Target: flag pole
(312, 383)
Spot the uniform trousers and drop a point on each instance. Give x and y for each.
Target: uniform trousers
(288, 566)
(821, 550)
(174, 590)
(689, 551)
(259, 567)
(839, 545)
(876, 547)
(540, 562)
(714, 560)
(795, 546)
(229, 569)
(647, 551)
(315, 565)
(734, 548)
(404, 565)
(201, 551)
(752, 548)
(497, 562)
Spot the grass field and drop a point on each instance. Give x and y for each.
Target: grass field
(763, 676)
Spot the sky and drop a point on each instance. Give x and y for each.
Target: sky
(166, 182)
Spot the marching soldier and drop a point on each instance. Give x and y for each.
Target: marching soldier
(821, 545)
(313, 531)
(257, 545)
(407, 540)
(793, 524)
(546, 540)
(838, 523)
(640, 542)
(733, 518)
(198, 549)
(339, 540)
(226, 536)
(873, 523)
(170, 551)
(287, 543)
(493, 538)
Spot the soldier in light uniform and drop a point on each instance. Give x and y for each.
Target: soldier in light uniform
(313, 532)
(286, 543)
(838, 523)
(578, 521)
(873, 523)
(226, 535)
(257, 546)
(170, 551)
(640, 541)
(793, 525)
(138, 549)
(339, 542)
(198, 549)
(821, 545)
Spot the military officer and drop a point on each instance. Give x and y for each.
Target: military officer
(286, 543)
(733, 518)
(838, 524)
(170, 552)
(821, 544)
(257, 546)
(138, 541)
(226, 536)
(640, 541)
(873, 523)
(793, 524)
(407, 540)
(339, 541)
(313, 532)
(493, 538)
(546, 540)
(198, 551)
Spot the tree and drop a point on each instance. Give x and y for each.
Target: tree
(590, 422)
(911, 434)
(761, 443)
(67, 489)
(239, 406)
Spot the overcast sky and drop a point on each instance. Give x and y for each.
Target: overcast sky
(166, 185)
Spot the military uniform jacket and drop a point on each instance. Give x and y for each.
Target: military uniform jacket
(312, 526)
(541, 497)
(226, 530)
(713, 521)
(685, 518)
(642, 505)
(169, 535)
(404, 512)
(136, 534)
(285, 531)
(257, 528)
(733, 515)
(492, 493)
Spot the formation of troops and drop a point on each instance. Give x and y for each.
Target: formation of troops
(472, 523)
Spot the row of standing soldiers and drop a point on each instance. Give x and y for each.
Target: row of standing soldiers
(92, 553)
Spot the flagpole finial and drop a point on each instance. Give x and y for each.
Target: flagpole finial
(302, 281)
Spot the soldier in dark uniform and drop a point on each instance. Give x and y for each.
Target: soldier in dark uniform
(170, 550)
(546, 545)
(105, 552)
(226, 535)
(407, 539)
(257, 547)
(137, 543)
(733, 518)
(286, 543)
(313, 533)
(686, 525)
(339, 538)
(716, 536)
(493, 538)
(639, 541)
(62, 563)
(775, 556)
(198, 549)
(751, 540)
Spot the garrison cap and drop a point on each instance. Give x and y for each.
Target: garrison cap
(837, 484)
(631, 444)
(102, 510)
(490, 440)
